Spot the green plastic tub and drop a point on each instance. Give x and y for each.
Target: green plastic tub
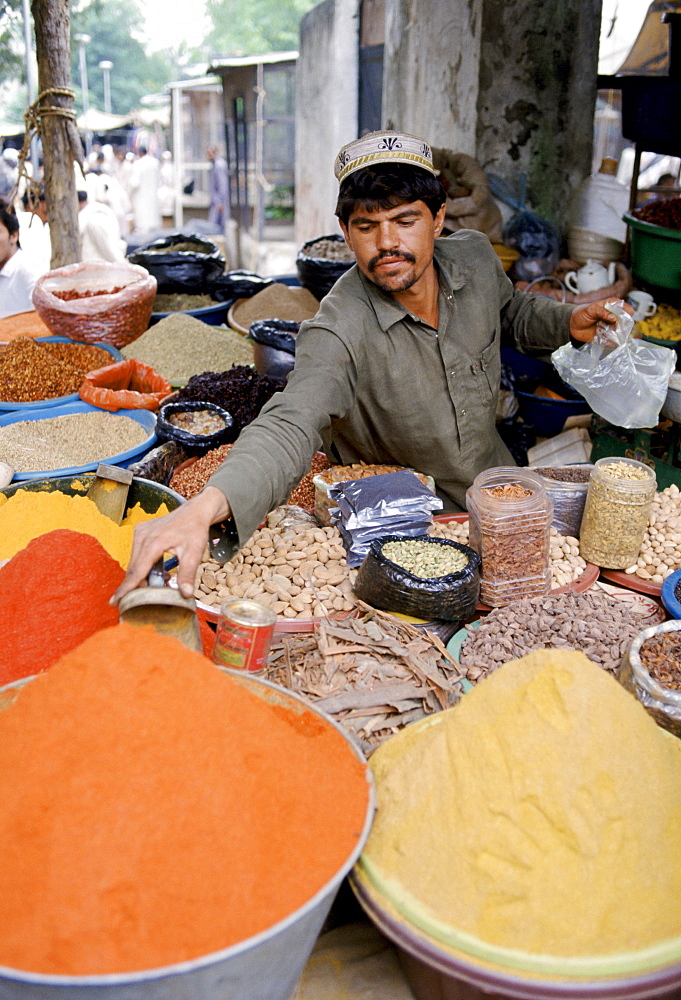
(655, 253)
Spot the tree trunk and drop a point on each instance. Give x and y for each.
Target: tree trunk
(61, 142)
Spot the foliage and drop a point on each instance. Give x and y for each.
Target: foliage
(248, 27)
(115, 28)
(11, 41)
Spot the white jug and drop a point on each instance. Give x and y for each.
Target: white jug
(591, 277)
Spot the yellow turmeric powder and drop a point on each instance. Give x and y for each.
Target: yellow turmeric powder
(542, 814)
(28, 514)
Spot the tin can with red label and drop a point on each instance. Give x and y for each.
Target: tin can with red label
(243, 635)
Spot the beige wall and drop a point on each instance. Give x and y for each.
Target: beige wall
(326, 110)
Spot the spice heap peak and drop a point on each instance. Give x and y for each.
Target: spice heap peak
(548, 806)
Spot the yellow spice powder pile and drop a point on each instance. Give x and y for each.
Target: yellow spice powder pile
(542, 813)
(28, 514)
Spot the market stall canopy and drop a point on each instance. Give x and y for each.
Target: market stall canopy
(10, 128)
(649, 55)
(99, 121)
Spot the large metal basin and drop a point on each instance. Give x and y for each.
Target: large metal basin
(264, 967)
(148, 494)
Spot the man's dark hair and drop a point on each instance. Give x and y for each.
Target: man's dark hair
(387, 186)
(27, 200)
(8, 217)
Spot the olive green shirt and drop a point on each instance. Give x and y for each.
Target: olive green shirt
(372, 382)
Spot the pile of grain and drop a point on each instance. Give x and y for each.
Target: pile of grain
(180, 346)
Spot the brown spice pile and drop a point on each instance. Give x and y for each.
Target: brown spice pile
(661, 656)
(30, 371)
(594, 623)
(277, 301)
(372, 674)
(509, 491)
(190, 481)
(303, 494)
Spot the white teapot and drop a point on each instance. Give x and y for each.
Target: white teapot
(591, 277)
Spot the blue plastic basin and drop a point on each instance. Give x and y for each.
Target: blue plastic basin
(215, 315)
(146, 418)
(72, 397)
(669, 599)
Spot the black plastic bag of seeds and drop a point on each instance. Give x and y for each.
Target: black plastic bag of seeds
(319, 274)
(278, 333)
(180, 263)
(384, 584)
(194, 443)
(236, 285)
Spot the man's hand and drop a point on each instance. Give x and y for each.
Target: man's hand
(586, 319)
(183, 532)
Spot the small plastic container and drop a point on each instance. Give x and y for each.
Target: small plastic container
(616, 512)
(567, 485)
(511, 535)
(662, 703)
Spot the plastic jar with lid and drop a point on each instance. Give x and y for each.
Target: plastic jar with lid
(510, 524)
(616, 512)
(662, 703)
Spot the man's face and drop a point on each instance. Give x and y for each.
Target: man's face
(394, 246)
(8, 244)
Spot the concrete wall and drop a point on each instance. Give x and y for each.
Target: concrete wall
(511, 82)
(537, 93)
(430, 74)
(326, 110)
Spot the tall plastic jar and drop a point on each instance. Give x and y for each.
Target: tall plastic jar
(510, 515)
(596, 229)
(616, 512)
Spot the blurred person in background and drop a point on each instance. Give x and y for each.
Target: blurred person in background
(99, 232)
(17, 274)
(34, 231)
(166, 191)
(218, 190)
(144, 185)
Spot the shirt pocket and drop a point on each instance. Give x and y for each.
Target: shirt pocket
(486, 371)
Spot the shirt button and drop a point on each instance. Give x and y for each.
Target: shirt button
(463, 413)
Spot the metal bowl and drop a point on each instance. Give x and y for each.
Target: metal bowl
(266, 966)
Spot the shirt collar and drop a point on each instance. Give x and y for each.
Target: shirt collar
(12, 265)
(389, 311)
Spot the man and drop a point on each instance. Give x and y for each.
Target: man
(17, 275)
(34, 232)
(144, 183)
(100, 233)
(218, 190)
(400, 365)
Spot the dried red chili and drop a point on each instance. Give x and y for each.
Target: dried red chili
(54, 594)
(69, 294)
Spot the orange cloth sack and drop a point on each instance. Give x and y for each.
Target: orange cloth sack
(129, 385)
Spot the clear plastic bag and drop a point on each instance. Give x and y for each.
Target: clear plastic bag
(623, 380)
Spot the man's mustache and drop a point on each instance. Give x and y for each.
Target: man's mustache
(393, 255)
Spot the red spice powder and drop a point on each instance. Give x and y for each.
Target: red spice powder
(153, 809)
(53, 594)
